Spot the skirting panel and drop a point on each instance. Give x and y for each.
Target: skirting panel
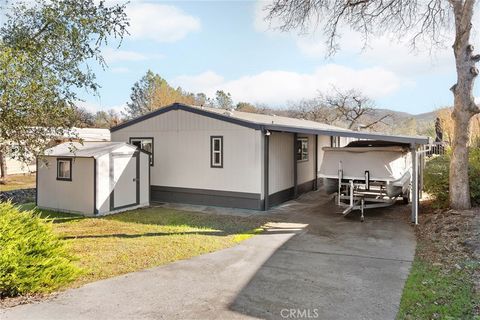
(207, 197)
(287, 194)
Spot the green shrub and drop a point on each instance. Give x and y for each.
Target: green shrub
(436, 178)
(32, 258)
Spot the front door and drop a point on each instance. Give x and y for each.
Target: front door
(125, 179)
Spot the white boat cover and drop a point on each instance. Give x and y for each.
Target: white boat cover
(383, 163)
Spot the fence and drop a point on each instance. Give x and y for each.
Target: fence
(438, 148)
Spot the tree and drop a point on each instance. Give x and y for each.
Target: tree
(408, 126)
(246, 107)
(352, 107)
(314, 110)
(448, 127)
(142, 95)
(152, 92)
(424, 22)
(107, 119)
(201, 99)
(223, 100)
(44, 53)
(82, 118)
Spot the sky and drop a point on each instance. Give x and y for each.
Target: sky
(204, 46)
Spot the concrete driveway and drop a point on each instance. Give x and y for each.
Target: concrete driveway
(313, 264)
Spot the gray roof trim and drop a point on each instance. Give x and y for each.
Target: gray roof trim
(276, 127)
(196, 110)
(352, 134)
(61, 156)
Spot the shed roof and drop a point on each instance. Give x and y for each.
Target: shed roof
(85, 150)
(275, 123)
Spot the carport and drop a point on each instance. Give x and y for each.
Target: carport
(419, 145)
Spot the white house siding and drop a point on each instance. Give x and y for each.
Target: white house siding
(69, 196)
(306, 168)
(280, 176)
(281, 166)
(323, 141)
(182, 156)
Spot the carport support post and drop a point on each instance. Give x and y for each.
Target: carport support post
(295, 173)
(266, 150)
(414, 218)
(315, 166)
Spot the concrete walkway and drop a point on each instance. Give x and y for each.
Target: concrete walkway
(315, 264)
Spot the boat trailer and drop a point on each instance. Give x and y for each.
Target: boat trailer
(363, 194)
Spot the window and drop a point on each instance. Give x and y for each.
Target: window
(335, 142)
(145, 144)
(64, 169)
(216, 152)
(302, 149)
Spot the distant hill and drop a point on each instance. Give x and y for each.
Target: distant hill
(404, 122)
(427, 116)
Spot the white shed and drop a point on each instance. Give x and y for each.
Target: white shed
(93, 178)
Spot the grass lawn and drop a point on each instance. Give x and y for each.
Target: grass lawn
(144, 238)
(18, 181)
(433, 293)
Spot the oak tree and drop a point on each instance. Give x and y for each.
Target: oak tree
(46, 47)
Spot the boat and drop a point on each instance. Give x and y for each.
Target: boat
(367, 170)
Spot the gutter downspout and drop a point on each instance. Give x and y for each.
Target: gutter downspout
(315, 173)
(295, 167)
(266, 169)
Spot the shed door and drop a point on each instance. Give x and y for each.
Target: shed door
(126, 181)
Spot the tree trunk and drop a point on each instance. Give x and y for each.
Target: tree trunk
(3, 167)
(459, 184)
(464, 104)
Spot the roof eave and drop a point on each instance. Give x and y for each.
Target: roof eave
(351, 134)
(274, 127)
(196, 110)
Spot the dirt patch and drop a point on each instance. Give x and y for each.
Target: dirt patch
(15, 301)
(450, 239)
(448, 236)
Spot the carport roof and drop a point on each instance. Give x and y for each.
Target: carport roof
(85, 149)
(275, 123)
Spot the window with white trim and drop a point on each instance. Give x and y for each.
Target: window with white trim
(64, 169)
(335, 142)
(302, 149)
(216, 151)
(145, 144)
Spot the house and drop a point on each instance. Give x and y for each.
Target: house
(216, 157)
(93, 178)
(199, 155)
(15, 166)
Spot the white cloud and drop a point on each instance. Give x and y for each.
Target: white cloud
(116, 55)
(160, 22)
(387, 51)
(277, 87)
(197, 83)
